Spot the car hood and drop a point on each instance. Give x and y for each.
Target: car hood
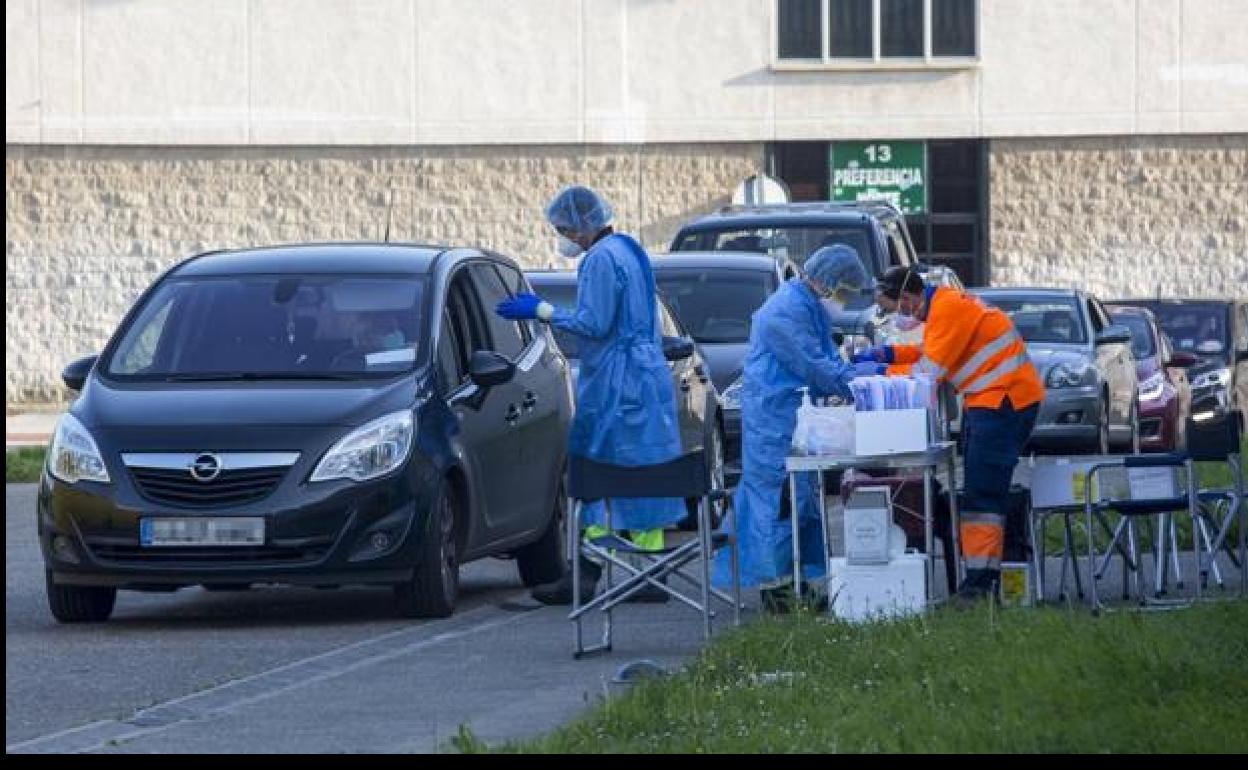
(241, 404)
(724, 360)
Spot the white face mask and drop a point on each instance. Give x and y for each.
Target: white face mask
(832, 306)
(569, 248)
(906, 323)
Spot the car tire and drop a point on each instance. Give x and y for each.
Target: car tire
(716, 468)
(545, 560)
(79, 604)
(434, 585)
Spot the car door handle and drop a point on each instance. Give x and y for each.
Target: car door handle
(513, 414)
(530, 401)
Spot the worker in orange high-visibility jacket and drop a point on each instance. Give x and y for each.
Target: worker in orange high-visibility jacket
(975, 348)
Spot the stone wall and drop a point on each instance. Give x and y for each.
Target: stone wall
(1121, 216)
(88, 228)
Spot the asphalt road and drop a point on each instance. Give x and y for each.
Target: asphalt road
(299, 670)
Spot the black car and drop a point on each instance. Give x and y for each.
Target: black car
(714, 296)
(1216, 332)
(701, 418)
(321, 415)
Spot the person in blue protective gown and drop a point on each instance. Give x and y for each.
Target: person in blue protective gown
(625, 404)
(791, 348)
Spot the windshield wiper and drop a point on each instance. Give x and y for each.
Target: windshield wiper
(259, 376)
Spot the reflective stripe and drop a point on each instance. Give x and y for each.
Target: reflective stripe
(967, 370)
(1011, 364)
(927, 366)
(983, 562)
(994, 519)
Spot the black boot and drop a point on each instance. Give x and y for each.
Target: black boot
(778, 600)
(559, 592)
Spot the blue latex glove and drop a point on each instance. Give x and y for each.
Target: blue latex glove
(879, 354)
(522, 307)
(869, 369)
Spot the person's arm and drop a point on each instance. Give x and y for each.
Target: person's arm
(946, 336)
(799, 351)
(597, 296)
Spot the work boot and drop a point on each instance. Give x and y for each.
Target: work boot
(778, 600)
(559, 592)
(979, 587)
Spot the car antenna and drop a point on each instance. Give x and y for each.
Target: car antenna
(389, 212)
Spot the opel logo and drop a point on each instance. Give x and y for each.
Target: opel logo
(205, 467)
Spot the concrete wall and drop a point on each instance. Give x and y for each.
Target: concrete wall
(88, 228)
(1121, 217)
(600, 71)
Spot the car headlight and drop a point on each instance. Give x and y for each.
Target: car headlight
(1070, 376)
(371, 450)
(1218, 378)
(73, 455)
(1151, 388)
(732, 394)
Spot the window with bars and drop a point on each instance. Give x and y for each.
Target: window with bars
(834, 31)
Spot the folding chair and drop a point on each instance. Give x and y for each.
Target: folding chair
(685, 477)
(1220, 506)
(1123, 538)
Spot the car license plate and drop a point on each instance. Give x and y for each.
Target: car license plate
(230, 530)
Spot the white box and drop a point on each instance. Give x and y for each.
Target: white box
(890, 432)
(868, 525)
(863, 592)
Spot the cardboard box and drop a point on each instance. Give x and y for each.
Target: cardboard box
(892, 431)
(864, 592)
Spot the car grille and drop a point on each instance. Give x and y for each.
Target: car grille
(213, 556)
(230, 488)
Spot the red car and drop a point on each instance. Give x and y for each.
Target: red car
(1165, 395)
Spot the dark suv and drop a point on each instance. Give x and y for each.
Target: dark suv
(327, 414)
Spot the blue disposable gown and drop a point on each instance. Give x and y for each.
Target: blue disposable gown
(791, 347)
(625, 405)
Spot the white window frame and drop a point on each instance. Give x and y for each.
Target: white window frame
(876, 62)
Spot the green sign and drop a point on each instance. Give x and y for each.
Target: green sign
(891, 171)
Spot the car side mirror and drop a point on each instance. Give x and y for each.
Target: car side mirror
(1115, 334)
(75, 375)
(677, 348)
(488, 369)
(1181, 360)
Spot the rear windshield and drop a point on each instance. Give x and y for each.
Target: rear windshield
(794, 243)
(1042, 319)
(715, 305)
(273, 327)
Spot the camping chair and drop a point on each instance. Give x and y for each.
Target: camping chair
(1220, 506)
(686, 477)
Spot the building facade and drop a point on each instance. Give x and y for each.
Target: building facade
(1069, 143)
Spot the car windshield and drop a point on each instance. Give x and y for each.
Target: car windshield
(1195, 328)
(1042, 319)
(273, 327)
(715, 305)
(1142, 343)
(793, 243)
(562, 295)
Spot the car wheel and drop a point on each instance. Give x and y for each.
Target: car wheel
(545, 560)
(716, 468)
(431, 591)
(79, 604)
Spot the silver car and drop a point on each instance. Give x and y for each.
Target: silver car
(1087, 366)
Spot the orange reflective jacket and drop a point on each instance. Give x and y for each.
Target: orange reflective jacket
(975, 348)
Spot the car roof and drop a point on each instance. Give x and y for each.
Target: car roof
(1025, 291)
(790, 214)
(549, 276)
(352, 257)
(1146, 303)
(727, 260)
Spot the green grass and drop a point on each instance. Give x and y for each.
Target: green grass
(1042, 680)
(22, 466)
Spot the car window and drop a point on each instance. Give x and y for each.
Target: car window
(514, 282)
(1098, 323)
(715, 305)
(508, 339)
(1042, 319)
(470, 321)
(899, 251)
(253, 326)
(668, 323)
